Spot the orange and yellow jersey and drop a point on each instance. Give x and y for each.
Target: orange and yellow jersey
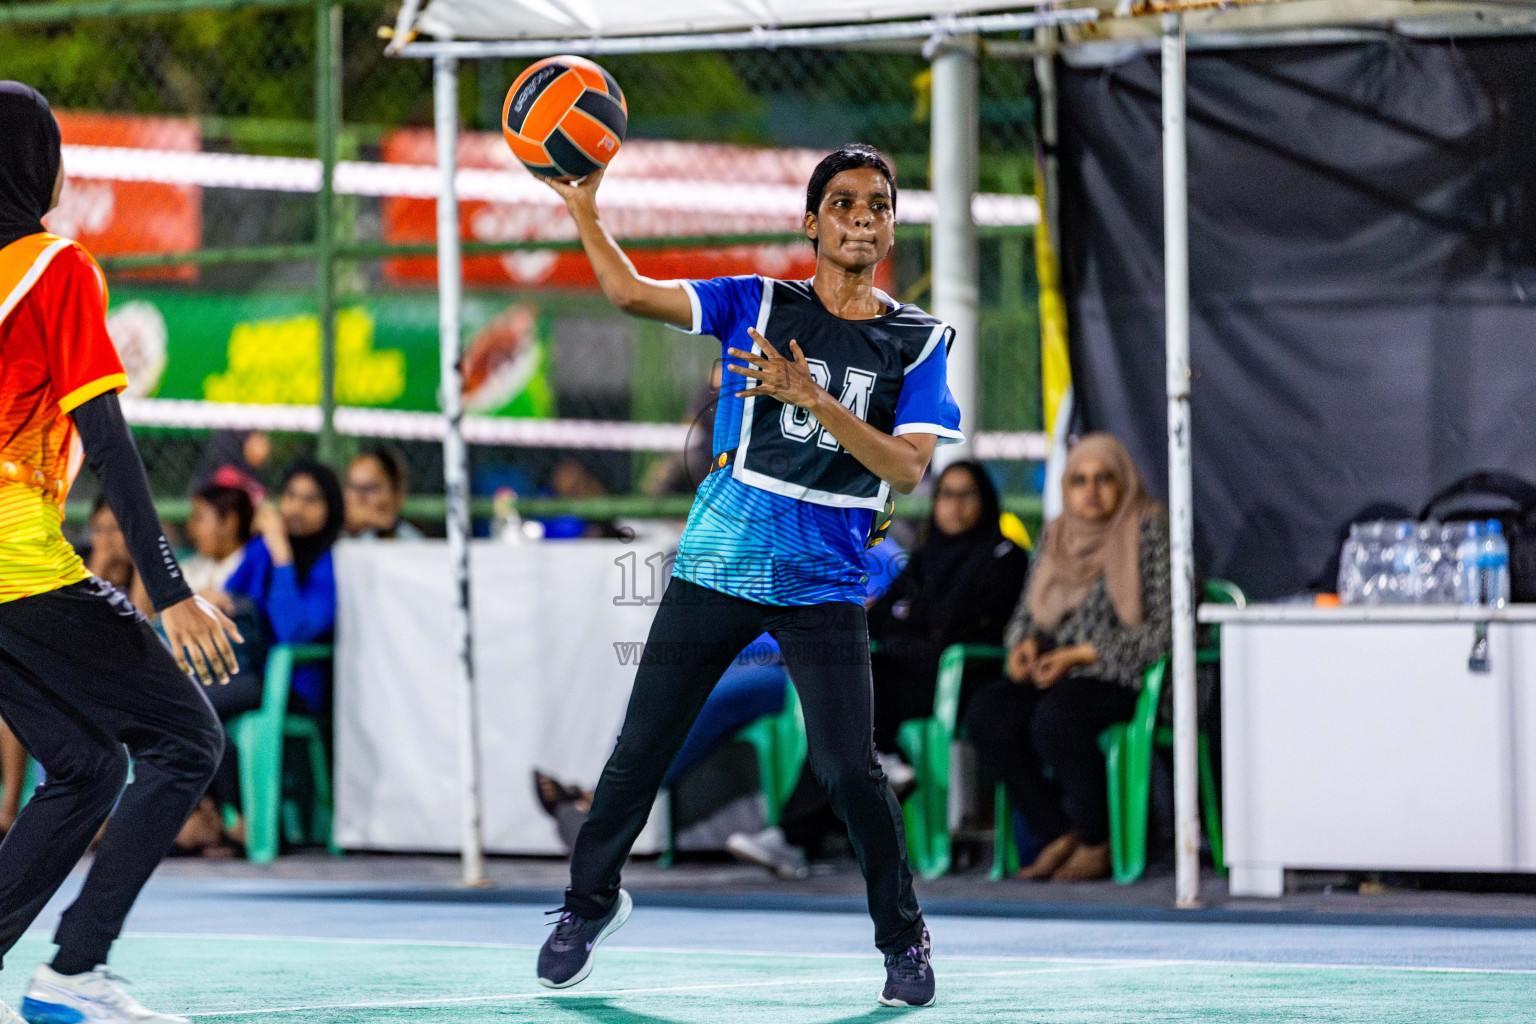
(55, 355)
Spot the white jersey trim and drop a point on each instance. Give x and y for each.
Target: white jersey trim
(800, 492)
(944, 434)
(34, 272)
(698, 311)
(933, 343)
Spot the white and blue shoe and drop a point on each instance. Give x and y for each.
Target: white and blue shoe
(96, 997)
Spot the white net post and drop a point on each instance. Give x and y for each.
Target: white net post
(955, 144)
(1186, 794)
(445, 91)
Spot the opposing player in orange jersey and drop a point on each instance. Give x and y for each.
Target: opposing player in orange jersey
(85, 681)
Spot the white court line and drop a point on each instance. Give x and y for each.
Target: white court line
(863, 979)
(941, 956)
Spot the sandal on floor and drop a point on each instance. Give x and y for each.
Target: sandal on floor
(567, 794)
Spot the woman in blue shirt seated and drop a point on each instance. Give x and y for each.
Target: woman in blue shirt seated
(288, 573)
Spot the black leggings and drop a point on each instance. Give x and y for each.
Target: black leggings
(1018, 730)
(695, 636)
(82, 677)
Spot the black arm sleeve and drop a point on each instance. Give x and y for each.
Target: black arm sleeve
(114, 458)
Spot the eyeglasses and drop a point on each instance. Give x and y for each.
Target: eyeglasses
(366, 490)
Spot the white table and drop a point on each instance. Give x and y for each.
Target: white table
(552, 684)
(1357, 738)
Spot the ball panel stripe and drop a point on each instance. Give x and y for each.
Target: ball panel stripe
(604, 110)
(526, 150)
(546, 170)
(591, 77)
(527, 89)
(570, 159)
(550, 106)
(590, 136)
(613, 86)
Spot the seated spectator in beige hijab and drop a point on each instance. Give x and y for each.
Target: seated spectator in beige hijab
(1095, 612)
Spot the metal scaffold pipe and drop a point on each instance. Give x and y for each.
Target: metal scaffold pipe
(1186, 802)
(445, 90)
(955, 156)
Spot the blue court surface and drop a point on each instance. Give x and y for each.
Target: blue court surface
(270, 950)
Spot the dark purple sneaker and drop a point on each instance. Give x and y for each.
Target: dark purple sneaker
(566, 957)
(909, 976)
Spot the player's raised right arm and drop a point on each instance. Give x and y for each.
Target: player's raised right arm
(666, 301)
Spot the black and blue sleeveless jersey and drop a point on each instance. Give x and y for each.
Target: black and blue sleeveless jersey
(785, 522)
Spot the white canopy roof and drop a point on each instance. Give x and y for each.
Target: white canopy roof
(578, 19)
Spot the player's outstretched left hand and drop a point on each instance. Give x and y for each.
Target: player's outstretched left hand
(788, 380)
(200, 634)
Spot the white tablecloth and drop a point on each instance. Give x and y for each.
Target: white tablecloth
(552, 685)
(1357, 738)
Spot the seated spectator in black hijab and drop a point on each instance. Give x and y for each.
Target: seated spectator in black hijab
(959, 587)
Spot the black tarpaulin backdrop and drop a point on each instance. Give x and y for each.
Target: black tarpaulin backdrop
(1362, 224)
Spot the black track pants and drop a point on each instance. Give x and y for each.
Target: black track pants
(695, 636)
(85, 682)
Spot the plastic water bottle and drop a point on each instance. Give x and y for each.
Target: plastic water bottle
(1350, 579)
(1426, 546)
(1469, 584)
(1444, 587)
(506, 524)
(1400, 561)
(1493, 565)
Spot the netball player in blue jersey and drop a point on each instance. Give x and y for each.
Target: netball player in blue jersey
(833, 395)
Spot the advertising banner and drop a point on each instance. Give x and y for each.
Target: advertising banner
(264, 348)
(124, 218)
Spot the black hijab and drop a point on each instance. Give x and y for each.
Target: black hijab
(956, 586)
(29, 160)
(947, 557)
(308, 550)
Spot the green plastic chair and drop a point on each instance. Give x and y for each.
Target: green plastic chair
(926, 743)
(781, 746)
(1128, 748)
(260, 737)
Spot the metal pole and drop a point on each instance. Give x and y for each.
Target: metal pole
(445, 92)
(1058, 424)
(955, 142)
(1186, 802)
(327, 111)
(1045, 75)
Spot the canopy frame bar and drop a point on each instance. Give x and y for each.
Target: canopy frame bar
(752, 39)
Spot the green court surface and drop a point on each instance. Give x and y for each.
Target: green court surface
(358, 981)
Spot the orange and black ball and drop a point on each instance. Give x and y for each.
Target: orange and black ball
(564, 117)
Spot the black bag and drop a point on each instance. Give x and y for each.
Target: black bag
(1490, 494)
